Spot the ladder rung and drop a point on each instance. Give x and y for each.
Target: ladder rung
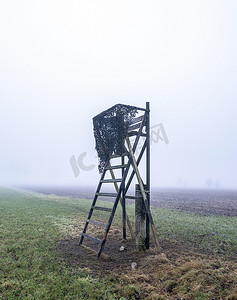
(92, 238)
(130, 197)
(133, 127)
(136, 120)
(96, 223)
(116, 167)
(101, 208)
(111, 180)
(107, 194)
(133, 133)
(117, 155)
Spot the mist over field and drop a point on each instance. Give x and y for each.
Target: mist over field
(62, 63)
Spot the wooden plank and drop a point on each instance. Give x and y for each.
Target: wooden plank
(139, 134)
(133, 133)
(140, 108)
(111, 180)
(133, 172)
(115, 167)
(96, 223)
(102, 208)
(107, 194)
(136, 120)
(117, 155)
(130, 197)
(133, 127)
(98, 241)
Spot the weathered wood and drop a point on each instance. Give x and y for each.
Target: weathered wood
(136, 120)
(117, 155)
(114, 209)
(133, 127)
(111, 180)
(96, 223)
(109, 167)
(133, 172)
(148, 166)
(140, 108)
(98, 241)
(139, 123)
(119, 193)
(140, 220)
(107, 194)
(143, 193)
(130, 197)
(92, 205)
(134, 133)
(102, 208)
(121, 202)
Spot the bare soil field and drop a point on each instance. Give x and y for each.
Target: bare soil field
(178, 272)
(217, 202)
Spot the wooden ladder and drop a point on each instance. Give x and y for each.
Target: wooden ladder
(120, 187)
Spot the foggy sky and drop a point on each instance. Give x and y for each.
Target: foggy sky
(63, 62)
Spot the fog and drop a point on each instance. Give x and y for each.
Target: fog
(63, 62)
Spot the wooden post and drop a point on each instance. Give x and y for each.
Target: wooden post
(140, 220)
(123, 204)
(148, 167)
(139, 179)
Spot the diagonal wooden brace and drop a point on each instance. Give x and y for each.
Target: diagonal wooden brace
(135, 167)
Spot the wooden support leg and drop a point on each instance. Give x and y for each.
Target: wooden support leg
(123, 203)
(140, 220)
(143, 193)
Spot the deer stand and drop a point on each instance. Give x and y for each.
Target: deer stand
(112, 128)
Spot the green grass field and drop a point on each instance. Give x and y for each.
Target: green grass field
(215, 234)
(31, 267)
